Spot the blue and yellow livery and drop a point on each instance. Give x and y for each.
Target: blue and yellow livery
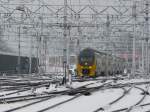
(93, 63)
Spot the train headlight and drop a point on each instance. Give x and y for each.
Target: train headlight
(90, 66)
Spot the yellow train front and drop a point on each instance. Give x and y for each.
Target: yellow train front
(86, 64)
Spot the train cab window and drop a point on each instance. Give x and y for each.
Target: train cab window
(86, 57)
(88, 60)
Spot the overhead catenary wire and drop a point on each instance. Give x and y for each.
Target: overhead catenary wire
(85, 23)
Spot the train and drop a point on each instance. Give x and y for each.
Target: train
(9, 64)
(93, 63)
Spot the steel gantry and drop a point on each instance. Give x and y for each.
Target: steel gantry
(83, 23)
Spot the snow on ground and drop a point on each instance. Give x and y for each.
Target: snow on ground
(5, 92)
(42, 105)
(6, 106)
(18, 94)
(133, 80)
(132, 98)
(90, 103)
(79, 84)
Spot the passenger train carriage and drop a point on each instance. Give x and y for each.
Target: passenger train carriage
(93, 63)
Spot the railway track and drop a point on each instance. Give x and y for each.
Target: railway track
(16, 87)
(138, 103)
(15, 92)
(19, 98)
(20, 90)
(116, 100)
(85, 91)
(77, 95)
(125, 109)
(79, 92)
(145, 93)
(32, 103)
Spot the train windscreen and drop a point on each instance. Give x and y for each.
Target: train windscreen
(86, 58)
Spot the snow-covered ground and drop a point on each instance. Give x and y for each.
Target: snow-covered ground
(101, 98)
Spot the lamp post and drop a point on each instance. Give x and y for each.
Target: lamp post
(134, 15)
(19, 58)
(19, 8)
(147, 36)
(22, 9)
